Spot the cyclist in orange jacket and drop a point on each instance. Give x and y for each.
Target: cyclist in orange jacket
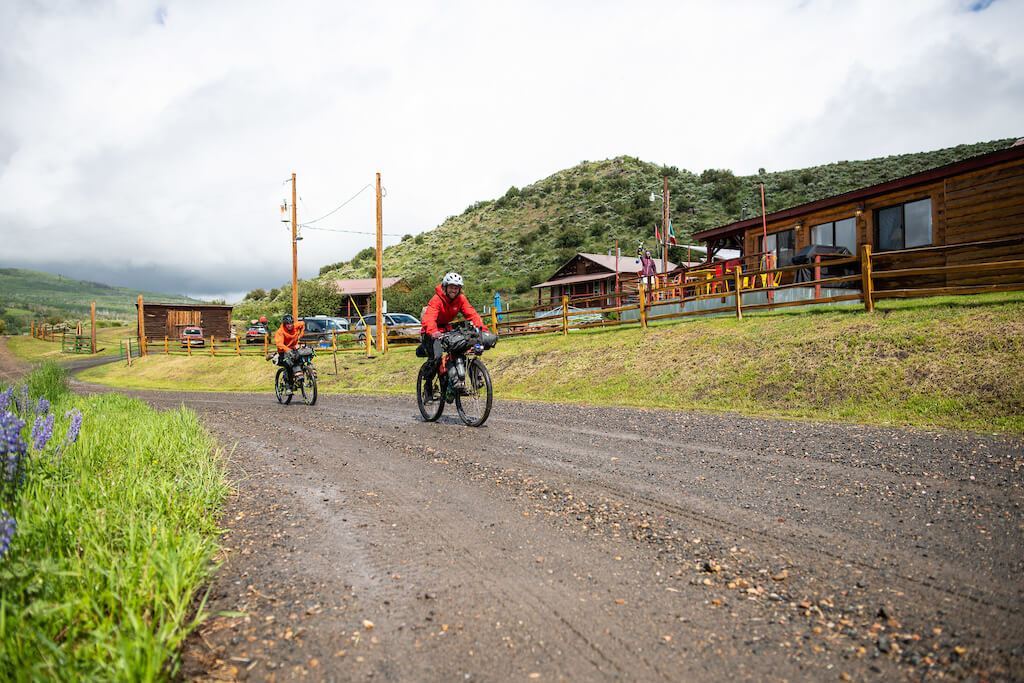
(287, 338)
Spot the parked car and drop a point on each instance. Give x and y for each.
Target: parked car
(255, 334)
(402, 325)
(192, 336)
(334, 323)
(321, 329)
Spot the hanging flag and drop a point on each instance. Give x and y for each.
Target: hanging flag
(671, 233)
(657, 235)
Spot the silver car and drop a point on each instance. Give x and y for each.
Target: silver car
(401, 325)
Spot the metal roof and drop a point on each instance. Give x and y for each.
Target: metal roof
(590, 277)
(939, 173)
(366, 285)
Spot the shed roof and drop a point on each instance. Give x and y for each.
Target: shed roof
(187, 307)
(366, 285)
(1015, 151)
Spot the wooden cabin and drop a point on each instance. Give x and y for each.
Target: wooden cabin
(977, 200)
(591, 275)
(361, 294)
(169, 320)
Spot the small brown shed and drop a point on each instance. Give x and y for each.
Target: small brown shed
(170, 319)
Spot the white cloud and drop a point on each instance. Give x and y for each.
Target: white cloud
(154, 138)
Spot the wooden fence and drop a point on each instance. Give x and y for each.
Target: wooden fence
(695, 293)
(706, 292)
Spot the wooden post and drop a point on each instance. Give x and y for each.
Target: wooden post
(494, 320)
(295, 254)
(817, 276)
(142, 325)
(213, 345)
(739, 292)
(381, 341)
(188, 345)
(92, 325)
(129, 342)
(32, 328)
(565, 315)
(238, 347)
(266, 343)
(665, 218)
(334, 349)
(865, 273)
(642, 293)
(366, 339)
(167, 346)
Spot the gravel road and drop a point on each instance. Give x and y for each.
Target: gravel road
(562, 542)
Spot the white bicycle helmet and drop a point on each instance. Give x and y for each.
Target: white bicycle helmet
(451, 279)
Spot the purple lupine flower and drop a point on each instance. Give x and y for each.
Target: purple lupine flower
(74, 427)
(43, 406)
(8, 525)
(42, 430)
(6, 397)
(23, 403)
(12, 448)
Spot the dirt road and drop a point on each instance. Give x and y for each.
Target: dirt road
(561, 542)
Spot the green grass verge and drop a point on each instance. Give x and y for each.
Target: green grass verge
(113, 541)
(950, 362)
(34, 350)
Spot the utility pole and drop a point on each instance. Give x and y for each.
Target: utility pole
(380, 270)
(295, 254)
(664, 226)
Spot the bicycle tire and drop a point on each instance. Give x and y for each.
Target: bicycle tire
(479, 379)
(430, 413)
(280, 388)
(309, 388)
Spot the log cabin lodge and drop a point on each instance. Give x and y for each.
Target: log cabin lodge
(168, 320)
(977, 203)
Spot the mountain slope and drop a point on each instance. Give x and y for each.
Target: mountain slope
(517, 240)
(28, 294)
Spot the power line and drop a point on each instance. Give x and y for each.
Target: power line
(353, 232)
(339, 207)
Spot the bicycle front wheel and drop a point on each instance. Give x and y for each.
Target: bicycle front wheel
(474, 405)
(308, 387)
(429, 394)
(281, 387)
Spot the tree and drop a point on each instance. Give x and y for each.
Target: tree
(316, 298)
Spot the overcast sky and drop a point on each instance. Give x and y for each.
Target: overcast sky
(146, 144)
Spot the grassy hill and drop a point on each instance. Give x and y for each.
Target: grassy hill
(951, 362)
(518, 239)
(28, 294)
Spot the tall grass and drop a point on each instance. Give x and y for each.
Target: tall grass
(113, 540)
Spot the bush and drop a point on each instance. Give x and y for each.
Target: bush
(418, 239)
(260, 293)
(329, 267)
(569, 238)
(485, 256)
(369, 252)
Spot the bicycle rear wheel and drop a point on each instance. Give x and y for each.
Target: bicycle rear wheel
(281, 387)
(430, 409)
(475, 405)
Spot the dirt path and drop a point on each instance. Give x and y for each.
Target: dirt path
(11, 369)
(569, 543)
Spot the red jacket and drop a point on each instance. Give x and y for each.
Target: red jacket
(441, 311)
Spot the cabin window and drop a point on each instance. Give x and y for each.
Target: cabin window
(836, 234)
(904, 226)
(783, 245)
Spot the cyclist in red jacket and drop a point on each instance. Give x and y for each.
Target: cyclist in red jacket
(446, 304)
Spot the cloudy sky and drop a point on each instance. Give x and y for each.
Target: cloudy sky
(146, 143)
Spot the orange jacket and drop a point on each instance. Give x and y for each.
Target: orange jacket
(441, 311)
(286, 340)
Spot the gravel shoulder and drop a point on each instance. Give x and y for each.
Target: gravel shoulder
(562, 542)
